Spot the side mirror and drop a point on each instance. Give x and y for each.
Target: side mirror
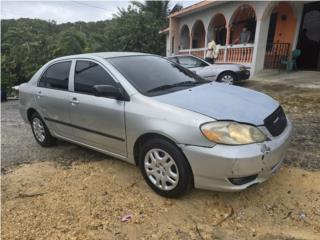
(110, 91)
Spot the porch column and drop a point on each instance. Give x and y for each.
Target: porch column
(205, 43)
(260, 43)
(190, 44)
(174, 37)
(227, 43)
(298, 15)
(228, 35)
(225, 53)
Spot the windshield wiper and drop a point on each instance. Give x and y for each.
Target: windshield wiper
(179, 84)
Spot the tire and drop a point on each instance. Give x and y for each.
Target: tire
(41, 132)
(227, 78)
(168, 172)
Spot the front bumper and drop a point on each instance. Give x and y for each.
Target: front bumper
(213, 167)
(243, 75)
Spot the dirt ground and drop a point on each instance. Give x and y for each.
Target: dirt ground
(69, 192)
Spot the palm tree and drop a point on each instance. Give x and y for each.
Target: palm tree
(159, 9)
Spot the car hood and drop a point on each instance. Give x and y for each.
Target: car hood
(223, 102)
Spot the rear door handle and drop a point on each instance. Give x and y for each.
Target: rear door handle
(74, 101)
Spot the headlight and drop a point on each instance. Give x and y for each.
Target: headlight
(242, 68)
(232, 133)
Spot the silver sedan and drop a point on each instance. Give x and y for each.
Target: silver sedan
(181, 130)
(228, 73)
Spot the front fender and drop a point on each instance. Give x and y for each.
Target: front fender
(144, 115)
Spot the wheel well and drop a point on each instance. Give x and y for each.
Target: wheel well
(228, 71)
(142, 139)
(30, 112)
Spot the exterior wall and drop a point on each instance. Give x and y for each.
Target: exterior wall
(262, 33)
(174, 37)
(260, 43)
(226, 8)
(298, 12)
(263, 9)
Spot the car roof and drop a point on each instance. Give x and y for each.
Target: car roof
(179, 56)
(103, 55)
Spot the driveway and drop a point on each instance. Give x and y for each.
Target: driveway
(19, 145)
(69, 192)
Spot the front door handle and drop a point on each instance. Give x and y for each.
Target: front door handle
(39, 94)
(74, 101)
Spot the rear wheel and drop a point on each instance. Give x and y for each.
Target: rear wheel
(165, 168)
(40, 131)
(227, 78)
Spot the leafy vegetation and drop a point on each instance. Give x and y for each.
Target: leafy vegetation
(27, 44)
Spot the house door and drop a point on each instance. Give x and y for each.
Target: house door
(280, 35)
(309, 37)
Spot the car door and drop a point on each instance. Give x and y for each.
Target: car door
(53, 97)
(97, 121)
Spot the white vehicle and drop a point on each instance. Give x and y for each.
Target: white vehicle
(228, 73)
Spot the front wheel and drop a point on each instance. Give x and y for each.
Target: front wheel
(165, 168)
(227, 78)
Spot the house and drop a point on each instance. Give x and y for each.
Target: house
(275, 29)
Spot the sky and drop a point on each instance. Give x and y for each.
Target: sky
(67, 11)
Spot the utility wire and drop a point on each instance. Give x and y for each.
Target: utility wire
(92, 6)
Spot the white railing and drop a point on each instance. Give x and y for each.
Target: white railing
(238, 53)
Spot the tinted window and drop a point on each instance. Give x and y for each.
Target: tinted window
(56, 76)
(190, 62)
(149, 72)
(88, 74)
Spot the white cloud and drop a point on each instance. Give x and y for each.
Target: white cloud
(61, 11)
(65, 11)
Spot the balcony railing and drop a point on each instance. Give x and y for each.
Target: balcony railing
(275, 53)
(240, 53)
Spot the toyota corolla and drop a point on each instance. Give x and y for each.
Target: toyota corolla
(181, 130)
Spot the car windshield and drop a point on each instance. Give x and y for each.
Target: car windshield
(153, 75)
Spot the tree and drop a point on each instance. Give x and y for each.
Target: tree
(135, 31)
(137, 27)
(70, 42)
(158, 9)
(27, 44)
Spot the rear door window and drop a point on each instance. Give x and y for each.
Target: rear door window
(190, 62)
(88, 74)
(56, 76)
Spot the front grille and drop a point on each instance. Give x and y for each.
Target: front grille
(276, 122)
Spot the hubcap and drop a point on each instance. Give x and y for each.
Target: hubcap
(228, 79)
(161, 169)
(38, 129)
